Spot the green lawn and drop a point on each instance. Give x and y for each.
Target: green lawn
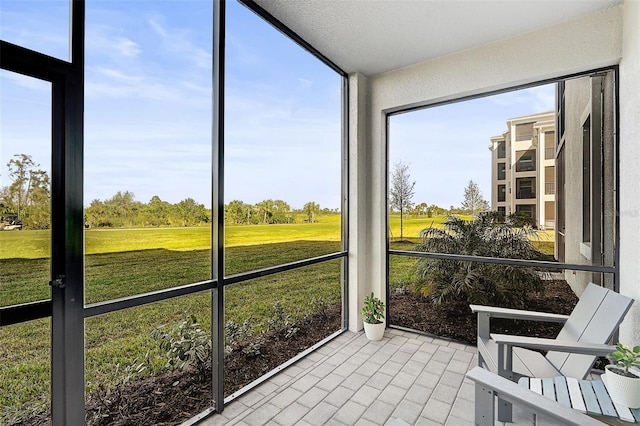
(123, 262)
(411, 226)
(37, 244)
(132, 261)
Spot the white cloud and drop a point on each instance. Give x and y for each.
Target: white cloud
(126, 47)
(23, 81)
(115, 74)
(157, 27)
(179, 42)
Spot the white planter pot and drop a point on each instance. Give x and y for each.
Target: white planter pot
(374, 331)
(623, 390)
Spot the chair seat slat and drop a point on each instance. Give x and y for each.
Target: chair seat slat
(548, 389)
(535, 385)
(576, 396)
(606, 405)
(562, 392)
(589, 396)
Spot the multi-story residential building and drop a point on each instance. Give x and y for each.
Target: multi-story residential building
(523, 170)
(567, 183)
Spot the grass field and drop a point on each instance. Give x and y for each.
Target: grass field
(123, 262)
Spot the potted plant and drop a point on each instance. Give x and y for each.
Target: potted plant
(372, 315)
(623, 383)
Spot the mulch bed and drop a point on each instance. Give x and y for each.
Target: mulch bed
(456, 321)
(171, 398)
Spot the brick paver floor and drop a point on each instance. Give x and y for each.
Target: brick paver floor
(405, 378)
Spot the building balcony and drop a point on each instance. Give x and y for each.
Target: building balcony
(550, 188)
(549, 153)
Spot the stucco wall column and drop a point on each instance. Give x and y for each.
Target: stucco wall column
(359, 196)
(629, 171)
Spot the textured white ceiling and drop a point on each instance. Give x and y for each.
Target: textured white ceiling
(375, 36)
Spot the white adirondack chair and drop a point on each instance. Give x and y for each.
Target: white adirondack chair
(572, 353)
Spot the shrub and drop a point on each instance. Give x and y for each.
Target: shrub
(239, 337)
(282, 322)
(519, 219)
(475, 282)
(319, 305)
(186, 344)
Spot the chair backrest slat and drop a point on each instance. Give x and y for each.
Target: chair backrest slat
(595, 318)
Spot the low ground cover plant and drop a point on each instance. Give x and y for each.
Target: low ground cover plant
(185, 345)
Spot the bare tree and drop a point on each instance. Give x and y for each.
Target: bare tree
(473, 201)
(401, 191)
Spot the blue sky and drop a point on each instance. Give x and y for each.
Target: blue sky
(447, 146)
(148, 109)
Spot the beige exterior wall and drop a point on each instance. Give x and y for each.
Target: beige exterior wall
(496, 141)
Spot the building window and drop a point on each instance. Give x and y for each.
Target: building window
(524, 132)
(502, 193)
(502, 172)
(526, 161)
(502, 149)
(528, 210)
(525, 188)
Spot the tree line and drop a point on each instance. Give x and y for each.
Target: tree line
(28, 200)
(122, 210)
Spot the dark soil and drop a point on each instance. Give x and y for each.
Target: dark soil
(456, 321)
(172, 398)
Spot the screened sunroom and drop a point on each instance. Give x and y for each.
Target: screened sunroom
(207, 178)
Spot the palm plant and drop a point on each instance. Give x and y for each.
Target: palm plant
(446, 280)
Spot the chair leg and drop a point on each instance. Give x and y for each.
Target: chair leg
(505, 411)
(505, 369)
(484, 408)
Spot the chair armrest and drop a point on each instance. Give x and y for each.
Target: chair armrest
(489, 385)
(595, 349)
(495, 312)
